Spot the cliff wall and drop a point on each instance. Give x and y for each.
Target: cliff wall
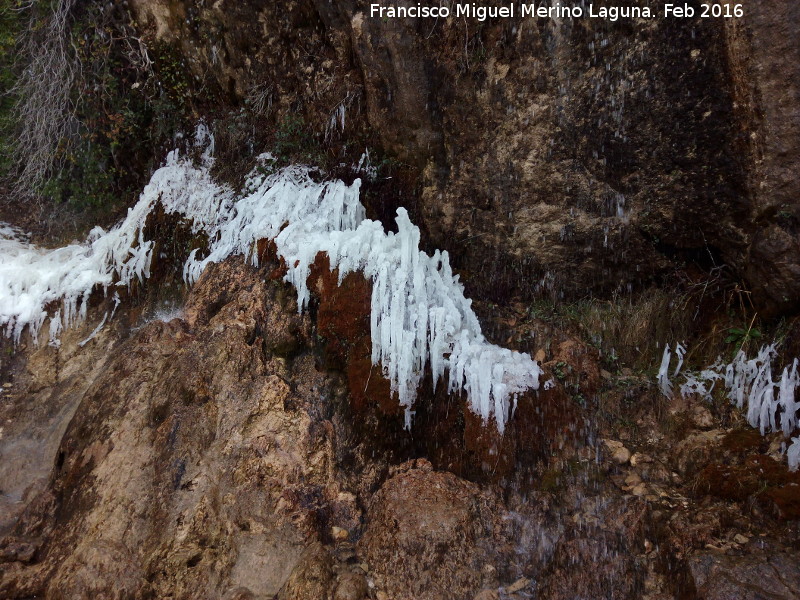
(558, 155)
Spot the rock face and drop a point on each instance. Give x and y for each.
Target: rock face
(716, 577)
(763, 55)
(216, 456)
(551, 155)
(245, 451)
(192, 466)
(223, 455)
(430, 535)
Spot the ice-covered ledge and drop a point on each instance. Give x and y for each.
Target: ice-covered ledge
(419, 314)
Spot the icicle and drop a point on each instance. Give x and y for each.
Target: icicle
(770, 406)
(663, 373)
(680, 351)
(419, 314)
(786, 398)
(55, 329)
(793, 455)
(94, 333)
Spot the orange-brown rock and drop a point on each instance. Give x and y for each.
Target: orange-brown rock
(192, 466)
(428, 535)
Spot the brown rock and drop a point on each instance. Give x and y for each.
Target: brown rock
(425, 536)
(312, 577)
(583, 365)
(351, 586)
(701, 417)
(138, 507)
(621, 456)
(719, 577)
(696, 451)
(238, 593)
(618, 453)
(518, 586)
(599, 560)
(721, 162)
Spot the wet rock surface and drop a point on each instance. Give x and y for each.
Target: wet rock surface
(550, 156)
(773, 574)
(178, 475)
(239, 450)
(429, 534)
(198, 458)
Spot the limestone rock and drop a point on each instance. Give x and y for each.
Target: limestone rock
(188, 463)
(719, 577)
(618, 453)
(695, 451)
(426, 536)
(575, 194)
(351, 586)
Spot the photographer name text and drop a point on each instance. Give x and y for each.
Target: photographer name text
(512, 10)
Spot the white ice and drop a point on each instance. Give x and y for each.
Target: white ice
(419, 314)
(769, 404)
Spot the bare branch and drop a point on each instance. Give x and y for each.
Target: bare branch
(44, 112)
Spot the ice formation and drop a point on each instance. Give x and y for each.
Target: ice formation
(33, 278)
(793, 455)
(664, 384)
(769, 404)
(419, 313)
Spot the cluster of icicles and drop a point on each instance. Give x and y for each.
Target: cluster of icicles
(770, 405)
(419, 313)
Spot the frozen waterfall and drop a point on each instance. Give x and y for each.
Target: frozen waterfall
(419, 313)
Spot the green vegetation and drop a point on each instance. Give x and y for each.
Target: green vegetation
(741, 337)
(11, 26)
(559, 370)
(129, 103)
(117, 103)
(294, 142)
(630, 331)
